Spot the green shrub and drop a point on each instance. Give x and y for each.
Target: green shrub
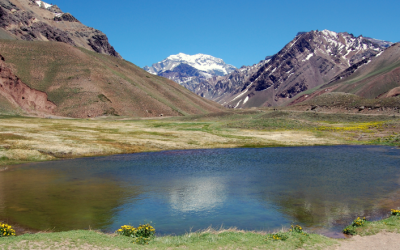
(6, 230)
(141, 235)
(277, 236)
(296, 229)
(351, 229)
(395, 212)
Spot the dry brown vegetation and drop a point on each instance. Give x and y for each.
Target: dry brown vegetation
(83, 84)
(25, 139)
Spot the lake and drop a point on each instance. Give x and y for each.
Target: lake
(321, 188)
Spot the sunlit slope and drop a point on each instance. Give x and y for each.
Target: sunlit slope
(87, 84)
(378, 78)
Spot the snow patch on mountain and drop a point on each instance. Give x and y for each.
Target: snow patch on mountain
(211, 65)
(45, 5)
(304, 63)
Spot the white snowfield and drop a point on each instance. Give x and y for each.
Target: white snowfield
(46, 5)
(201, 62)
(308, 57)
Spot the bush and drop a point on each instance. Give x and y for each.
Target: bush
(395, 212)
(296, 229)
(6, 230)
(352, 228)
(293, 231)
(142, 234)
(277, 236)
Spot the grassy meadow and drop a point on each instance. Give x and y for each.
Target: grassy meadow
(28, 139)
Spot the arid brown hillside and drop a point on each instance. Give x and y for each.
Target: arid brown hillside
(20, 95)
(377, 77)
(33, 20)
(82, 83)
(380, 77)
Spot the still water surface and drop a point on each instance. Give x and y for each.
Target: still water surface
(320, 188)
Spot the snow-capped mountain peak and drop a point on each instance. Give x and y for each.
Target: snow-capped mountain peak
(329, 33)
(190, 70)
(206, 63)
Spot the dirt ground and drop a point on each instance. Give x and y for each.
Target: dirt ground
(381, 241)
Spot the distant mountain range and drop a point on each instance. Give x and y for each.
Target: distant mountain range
(190, 70)
(72, 70)
(310, 60)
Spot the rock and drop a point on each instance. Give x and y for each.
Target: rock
(99, 43)
(54, 9)
(361, 108)
(66, 17)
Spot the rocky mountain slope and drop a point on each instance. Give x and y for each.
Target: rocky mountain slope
(54, 78)
(190, 70)
(310, 60)
(32, 20)
(377, 77)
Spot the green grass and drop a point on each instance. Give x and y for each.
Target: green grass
(206, 239)
(229, 239)
(390, 224)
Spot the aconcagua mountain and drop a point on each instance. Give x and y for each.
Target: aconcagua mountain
(189, 70)
(32, 20)
(311, 59)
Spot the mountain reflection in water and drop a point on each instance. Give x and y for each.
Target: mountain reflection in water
(322, 188)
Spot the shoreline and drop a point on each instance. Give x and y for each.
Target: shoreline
(9, 166)
(24, 140)
(387, 235)
(378, 217)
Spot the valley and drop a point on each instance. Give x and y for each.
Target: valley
(26, 139)
(309, 134)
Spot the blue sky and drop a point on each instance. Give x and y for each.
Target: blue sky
(240, 32)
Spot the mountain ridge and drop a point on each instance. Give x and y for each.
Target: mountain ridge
(32, 20)
(377, 78)
(311, 59)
